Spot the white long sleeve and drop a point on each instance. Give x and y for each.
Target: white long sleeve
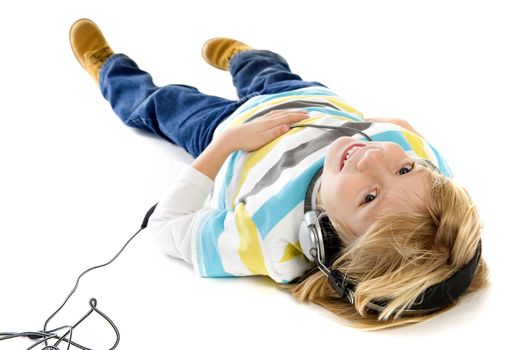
(177, 214)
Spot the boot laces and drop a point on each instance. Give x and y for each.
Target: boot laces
(100, 56)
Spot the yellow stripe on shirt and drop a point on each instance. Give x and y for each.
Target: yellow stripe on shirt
(416, 142)
(291, 251)
(343, 106)
(250, 251)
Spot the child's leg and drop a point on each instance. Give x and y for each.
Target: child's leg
(258, 72)
(178, 113)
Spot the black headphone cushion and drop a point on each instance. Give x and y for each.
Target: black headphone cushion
(332, 242)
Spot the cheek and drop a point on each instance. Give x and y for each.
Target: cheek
(341, 195)
(334, 150)
(346, 192)
(342, 206)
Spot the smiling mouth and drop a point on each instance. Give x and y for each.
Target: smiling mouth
(348, 153)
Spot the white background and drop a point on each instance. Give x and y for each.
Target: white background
(75, 182)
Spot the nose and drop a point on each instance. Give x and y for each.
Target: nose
(372, 159)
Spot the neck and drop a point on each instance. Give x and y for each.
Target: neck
(312, 198)
(318, 201)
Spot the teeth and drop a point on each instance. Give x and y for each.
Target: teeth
(352, 151)
(349, 154)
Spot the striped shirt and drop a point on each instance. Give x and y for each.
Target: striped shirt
(249, 221)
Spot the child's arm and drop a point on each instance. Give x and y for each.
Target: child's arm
(247, 137)
(398, 121)
(181, 211)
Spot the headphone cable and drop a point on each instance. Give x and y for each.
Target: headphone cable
(44, 336)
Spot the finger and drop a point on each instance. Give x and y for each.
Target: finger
(288, 115)
(275, 132)
(282, 112)
(272, 114)
(289, 118)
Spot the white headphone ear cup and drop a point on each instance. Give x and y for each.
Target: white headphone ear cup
(306, 242)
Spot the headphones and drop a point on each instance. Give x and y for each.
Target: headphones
(320, 244)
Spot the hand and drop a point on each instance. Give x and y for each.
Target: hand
(255, 134)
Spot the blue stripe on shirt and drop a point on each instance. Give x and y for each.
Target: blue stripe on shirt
(392, 136)
(288, 198)
(208, 258)
(228, 179)
(442, 164)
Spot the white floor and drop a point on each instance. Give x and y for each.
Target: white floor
(75, 182)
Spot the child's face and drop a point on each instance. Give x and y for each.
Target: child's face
(377, 178)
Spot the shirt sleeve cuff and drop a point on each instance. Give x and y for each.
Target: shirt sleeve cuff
(193, 176)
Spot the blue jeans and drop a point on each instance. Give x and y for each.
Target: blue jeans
(182, 114)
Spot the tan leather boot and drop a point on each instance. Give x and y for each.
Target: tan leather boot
(89, 46)
(219, 51)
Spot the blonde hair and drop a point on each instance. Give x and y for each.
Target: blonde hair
(400, 256)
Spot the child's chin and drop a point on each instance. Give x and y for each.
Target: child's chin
(326, 168)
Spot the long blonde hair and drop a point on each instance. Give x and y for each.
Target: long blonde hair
(400, 256)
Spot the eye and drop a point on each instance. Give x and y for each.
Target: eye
(370, 197)
(406, 169)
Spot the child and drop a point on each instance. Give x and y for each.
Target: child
(400, 226)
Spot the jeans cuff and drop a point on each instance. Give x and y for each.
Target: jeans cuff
(243, 55)
(105, 66)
